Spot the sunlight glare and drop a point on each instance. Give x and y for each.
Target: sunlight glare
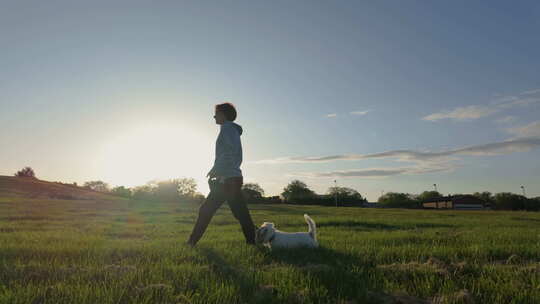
(156, 152)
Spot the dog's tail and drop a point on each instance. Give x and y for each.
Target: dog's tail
(312, 228)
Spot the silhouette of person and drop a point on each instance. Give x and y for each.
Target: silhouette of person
(225, 178)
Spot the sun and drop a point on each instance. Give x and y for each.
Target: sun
(151, 152)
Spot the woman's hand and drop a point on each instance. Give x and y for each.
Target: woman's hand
(211, 173)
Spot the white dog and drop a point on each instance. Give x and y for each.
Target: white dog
(273, 238)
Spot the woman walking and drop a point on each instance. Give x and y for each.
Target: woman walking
(225, 177)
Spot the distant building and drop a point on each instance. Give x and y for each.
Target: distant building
(370, 205)
(459, 202)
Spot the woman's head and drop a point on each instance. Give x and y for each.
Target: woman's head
(225, 111)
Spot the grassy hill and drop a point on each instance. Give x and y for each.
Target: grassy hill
(123, 251)
(17, 187)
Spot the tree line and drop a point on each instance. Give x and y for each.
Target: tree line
(296, 192)
(498, 201)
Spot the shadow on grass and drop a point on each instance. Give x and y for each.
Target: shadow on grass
(344, 276)
(221, 268)
(525, 219)
(380, 226)
(289, 209)
(336, 275)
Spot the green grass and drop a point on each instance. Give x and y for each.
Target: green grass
(88, 251)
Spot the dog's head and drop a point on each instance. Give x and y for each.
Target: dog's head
(265, 232)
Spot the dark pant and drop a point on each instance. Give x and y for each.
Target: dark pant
(230, 191)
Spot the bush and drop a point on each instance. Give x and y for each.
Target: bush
(345, 197)
(428, 195)
(98, 185)
(485, 196)
(297, 192)
(181, 189)
(26, 172)
(121, 191)
(511, 201)
(145, 192)
(398, 200)
(273, 200)
(253, 193)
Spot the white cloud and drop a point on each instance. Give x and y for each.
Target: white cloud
(331, 115)
(364, 173)
(526, 131)
(478, 111)
(359, 112)
(506, 119)
(463, 113)
(527, 138)
(530, 92)
(526, 101)
(497, 148)
(373, 172)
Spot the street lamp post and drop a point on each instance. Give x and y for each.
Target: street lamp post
(435, 186)
(523, 189)
(335, 191)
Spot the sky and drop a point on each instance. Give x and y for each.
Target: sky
(378, 96)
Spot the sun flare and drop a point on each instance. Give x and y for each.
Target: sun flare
(156, 152)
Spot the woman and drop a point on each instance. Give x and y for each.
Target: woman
(225, 177)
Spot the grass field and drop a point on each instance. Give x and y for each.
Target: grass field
(121, 251)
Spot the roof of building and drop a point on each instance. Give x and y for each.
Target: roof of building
(457, 199)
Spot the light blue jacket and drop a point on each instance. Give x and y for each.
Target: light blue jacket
(228, 151)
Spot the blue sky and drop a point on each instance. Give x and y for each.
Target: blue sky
(124, 92)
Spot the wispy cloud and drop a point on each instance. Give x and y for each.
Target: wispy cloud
(526, 131)
(526, 138)
(463, 113)
(526, 101)
(530, 92)
(472, 112)
(497, 148)
(368, 173)
(360, 112)
(376, 172)
(331, 115)
(506, 119)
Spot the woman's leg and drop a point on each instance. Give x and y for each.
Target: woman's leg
(235, 199)
(207, 210)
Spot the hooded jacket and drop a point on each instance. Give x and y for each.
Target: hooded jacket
(228, 151)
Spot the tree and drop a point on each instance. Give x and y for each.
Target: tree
(168, 190)
(398, 200)
(174, 189)
(509, 201)
(145, 192)
(485, 196)
(121, 191)
(255, 187)
(297, 192)
(98, 185)
(345, 195)
(428, 195)
(252, 192)
(187, 187)
(26, 172)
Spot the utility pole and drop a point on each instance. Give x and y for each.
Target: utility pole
(523, 189)
(335, 190)
(435, 186)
